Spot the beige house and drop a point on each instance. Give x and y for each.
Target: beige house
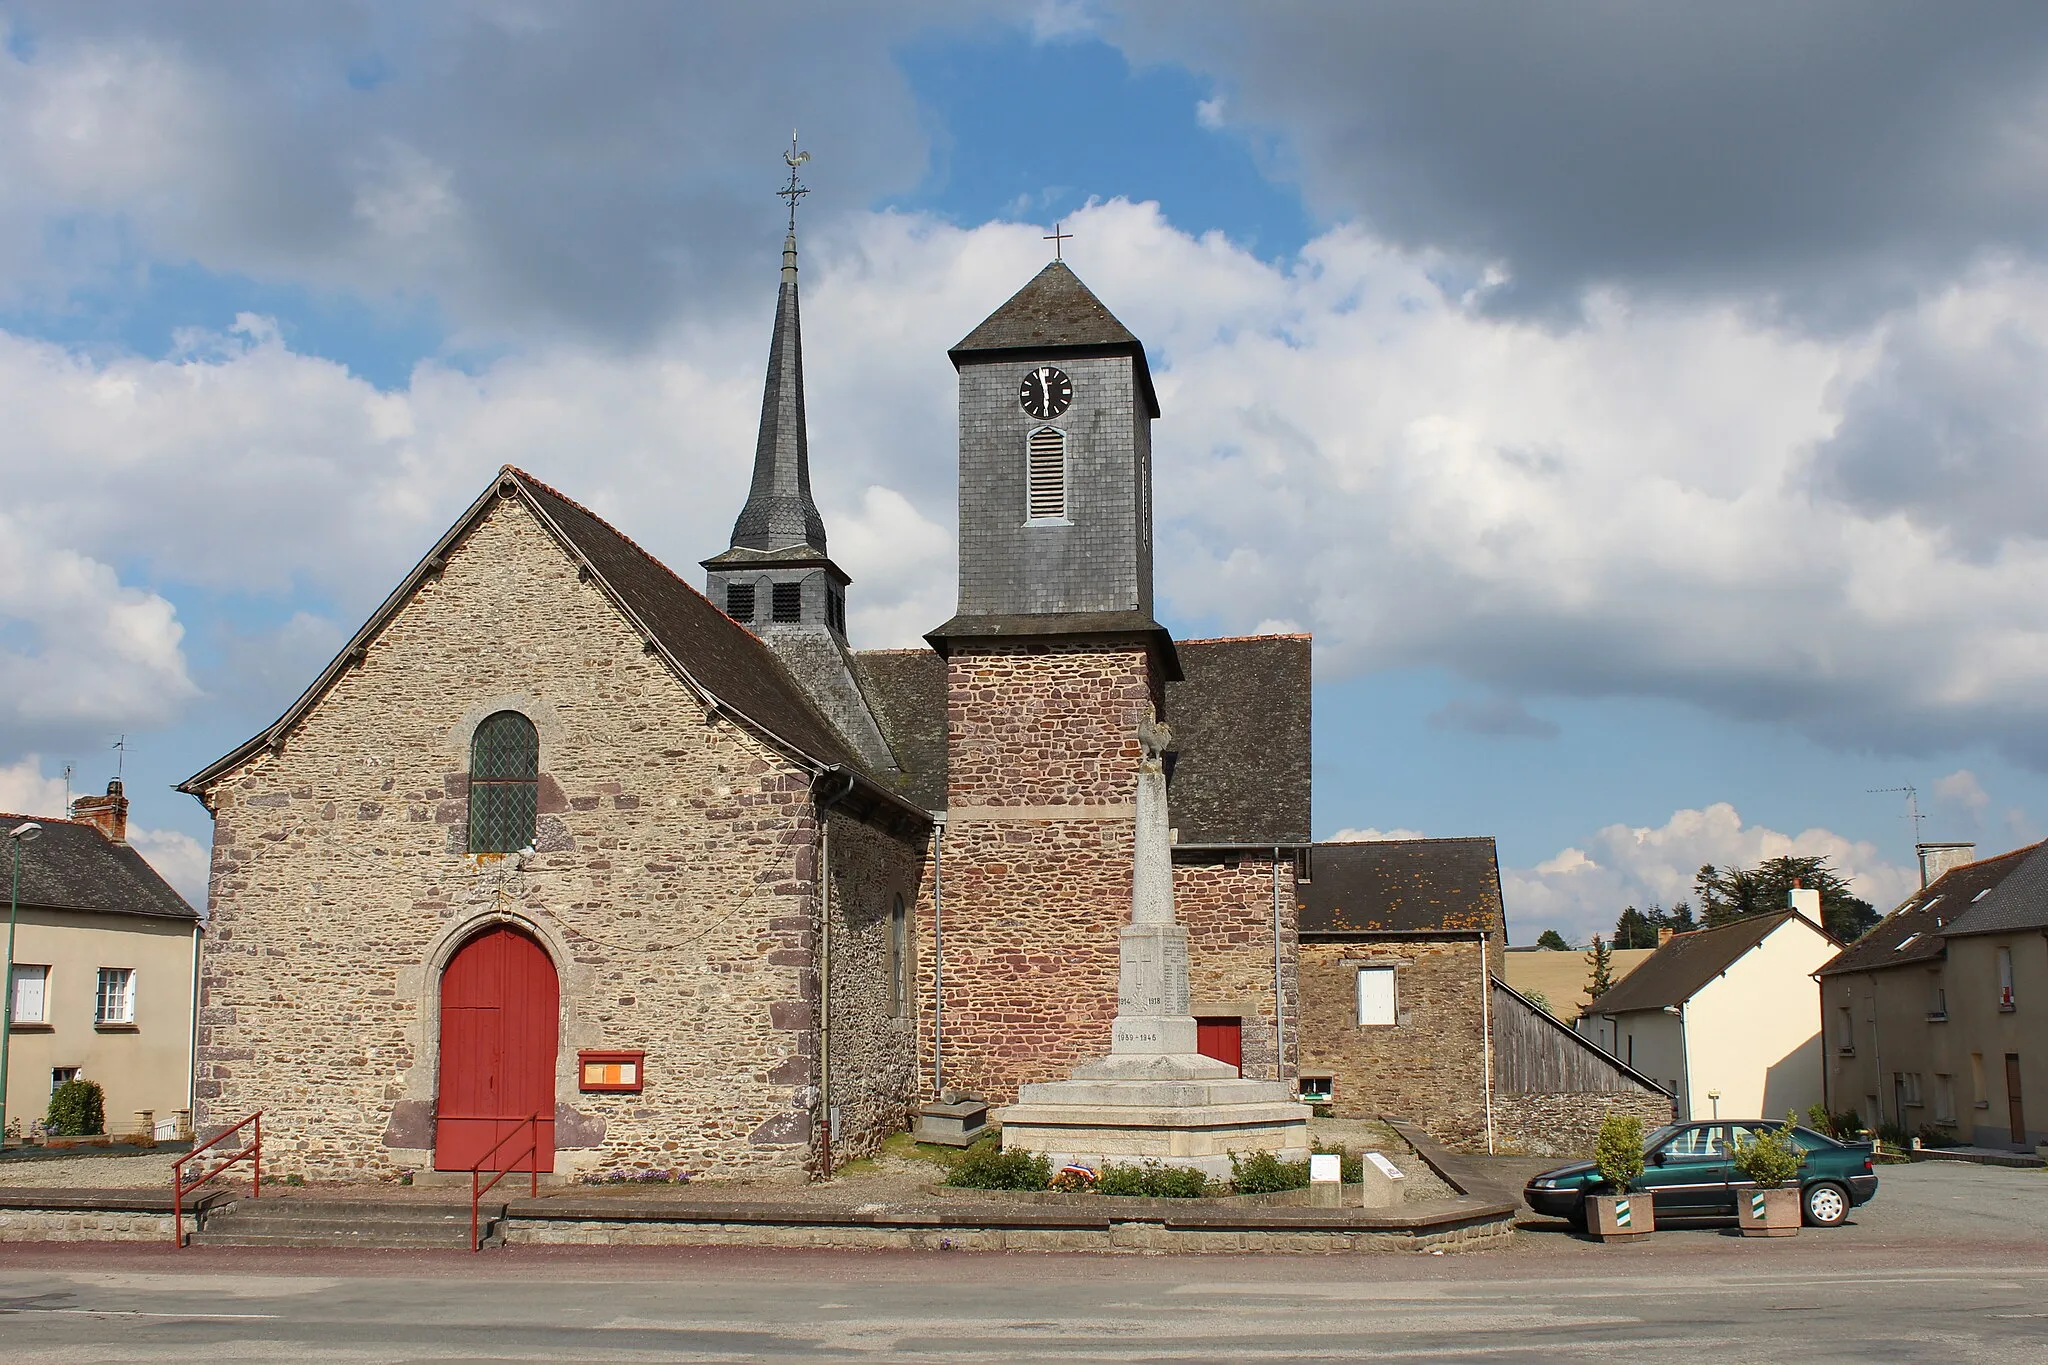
(1723, 1017)
(104, 956)
(1934, 1016)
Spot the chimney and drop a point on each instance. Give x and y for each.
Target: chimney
(1665, 934)
(1804, 899)
(108, 814)
(1936, 859)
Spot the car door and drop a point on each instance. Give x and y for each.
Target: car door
(1689, 1171)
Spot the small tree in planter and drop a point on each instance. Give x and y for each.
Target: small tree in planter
(1620, 1215)
(1770, 1161)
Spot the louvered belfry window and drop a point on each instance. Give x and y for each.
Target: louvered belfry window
(504, 784)
(1046, 463)
(786, 602)
(739, 601)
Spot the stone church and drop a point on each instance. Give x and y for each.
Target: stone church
(564, 862)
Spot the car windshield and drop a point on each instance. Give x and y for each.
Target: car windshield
(1654, 1140)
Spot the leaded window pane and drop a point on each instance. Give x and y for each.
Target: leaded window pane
(504, 787)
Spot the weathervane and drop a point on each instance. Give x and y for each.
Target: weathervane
(1056, 237)
(795, 189)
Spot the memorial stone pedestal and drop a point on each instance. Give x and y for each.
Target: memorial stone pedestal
(1154, 1097)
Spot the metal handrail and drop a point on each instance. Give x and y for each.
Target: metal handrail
(476, 1194)
(180, 1187)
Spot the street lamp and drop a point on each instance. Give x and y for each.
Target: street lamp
(16, 837)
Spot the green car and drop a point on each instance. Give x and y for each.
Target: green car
(1690, 1169)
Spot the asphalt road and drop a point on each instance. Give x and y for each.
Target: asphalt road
(1952, 1264)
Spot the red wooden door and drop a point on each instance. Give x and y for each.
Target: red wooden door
(1222, 1039)
(500, 1006)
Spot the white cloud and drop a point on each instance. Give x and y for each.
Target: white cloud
(25, 791)
(1210, 113)
(1580, 891)
(1371, 836)
(1961, 788)
(178, 858)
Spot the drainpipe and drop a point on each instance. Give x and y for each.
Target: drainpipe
(1486, 1033)
(1279, 998)
(1877, 1055)
(824, 806)
(938, 960)
(192, 1050)
(1684, 1062)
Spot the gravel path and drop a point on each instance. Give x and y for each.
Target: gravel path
(101, 1171)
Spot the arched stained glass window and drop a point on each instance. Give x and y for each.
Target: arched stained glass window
(504, 784)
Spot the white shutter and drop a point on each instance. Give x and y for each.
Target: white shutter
(29, 985)
(1046, 474)
(1375, 996)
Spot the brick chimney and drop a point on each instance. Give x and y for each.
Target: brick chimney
(1664, 935)
(108, 814)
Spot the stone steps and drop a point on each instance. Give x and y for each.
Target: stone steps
(312, 1222)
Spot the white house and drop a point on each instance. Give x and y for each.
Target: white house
(1725, 1017)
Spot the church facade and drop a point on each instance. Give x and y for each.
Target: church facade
(563, 862)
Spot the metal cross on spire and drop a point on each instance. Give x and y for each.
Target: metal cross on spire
(1056, 237)
(794, 190)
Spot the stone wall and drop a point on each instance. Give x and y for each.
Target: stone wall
(1226, 902)
(873, 1058)
(1566, 1124)
(673, 886)
(1429, 1068)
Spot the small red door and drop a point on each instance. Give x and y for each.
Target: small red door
(500, 1007)
(1222, 1039)
(2014, 1112)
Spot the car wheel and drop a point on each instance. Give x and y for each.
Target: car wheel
(1577, 1217)
(1827, 1206)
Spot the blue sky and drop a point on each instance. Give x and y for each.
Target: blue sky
(1641, 415)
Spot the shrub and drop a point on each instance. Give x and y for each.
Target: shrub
(1771, 1158)
(77, 1109)
(1264, 1173)
(987, 1167)
(1846, 1126)
(1154, 1181)
(1619, 1151)
(1938, 1137)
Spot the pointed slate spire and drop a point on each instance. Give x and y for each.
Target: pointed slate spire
(780, 514)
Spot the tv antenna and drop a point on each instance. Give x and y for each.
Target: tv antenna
(120, 746)
(69, 768)
(1912, 796)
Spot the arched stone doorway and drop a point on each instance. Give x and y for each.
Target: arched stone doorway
(500, 1023)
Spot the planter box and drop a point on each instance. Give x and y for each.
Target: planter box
(1768, 1213)
(1621, 1217)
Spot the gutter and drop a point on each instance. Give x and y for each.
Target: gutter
(824, 806)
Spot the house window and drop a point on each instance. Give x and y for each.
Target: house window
(30, 995)
(739, 601)
(1978, 1098)
(1046, 475)
(1376, 997)
(1847, 1046)
(2005, 999)
(1317, 1089)
(1944, 1099)
(61, 1075)
(116, 996)
(899, 956)
(787, 603)
(504, 784)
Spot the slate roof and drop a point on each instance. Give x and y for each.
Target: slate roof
(2018, 902)
(1403, 886)
(1240, 724)
(1682, 967)
(906, 694)
(1055, 312)
(72, 866)
(719, 657)
(1240, 717)
(1917, 931)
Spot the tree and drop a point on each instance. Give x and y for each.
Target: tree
(1638, 928)
(1601, 960)
(1737, 893)
(1553, 940)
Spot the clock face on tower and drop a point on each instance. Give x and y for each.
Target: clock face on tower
(1046, 392)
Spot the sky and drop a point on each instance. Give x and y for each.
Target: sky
(1640, 405)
